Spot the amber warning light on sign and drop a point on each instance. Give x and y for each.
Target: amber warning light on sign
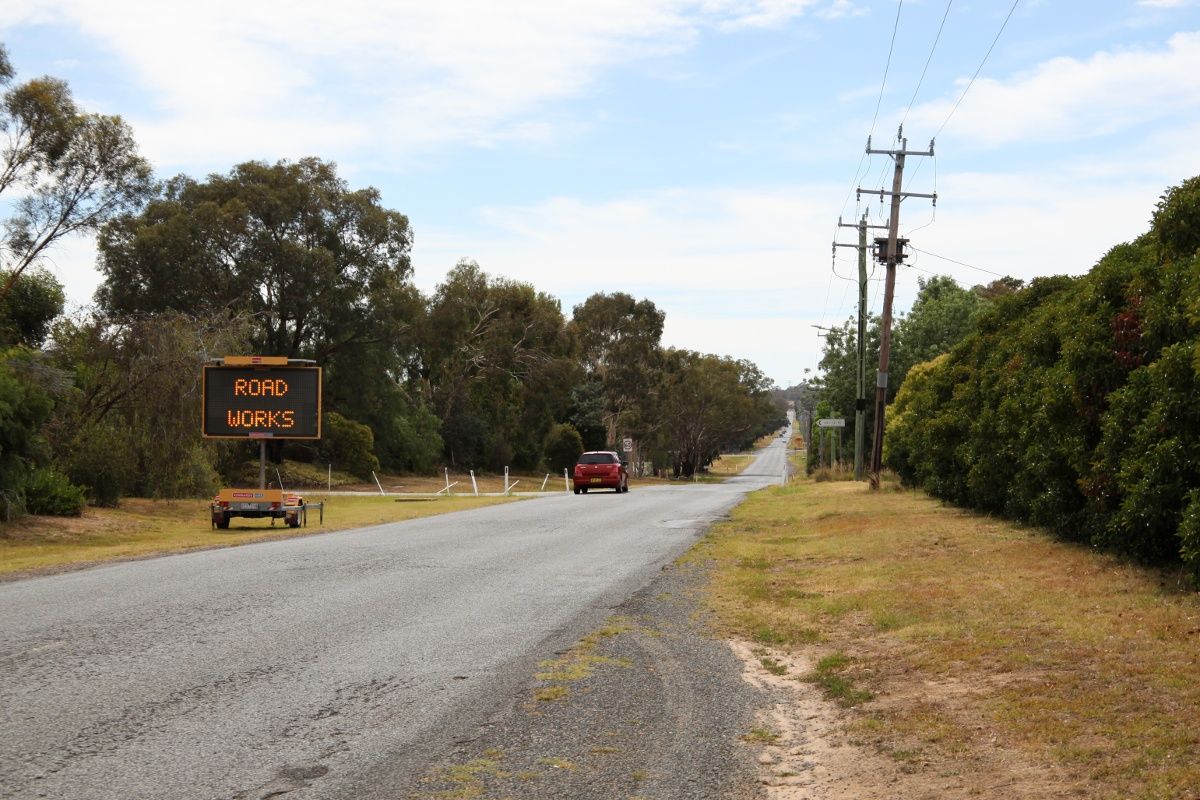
(275, 402)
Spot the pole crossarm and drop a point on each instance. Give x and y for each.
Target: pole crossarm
(885, 193)
(903, 151)
(928, 152)
(858, 225)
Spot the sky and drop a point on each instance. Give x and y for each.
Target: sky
(698, 153)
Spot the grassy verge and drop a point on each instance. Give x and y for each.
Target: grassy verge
(150, 527)
(726, 466)
(957, 637)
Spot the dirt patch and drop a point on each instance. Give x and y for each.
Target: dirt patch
(812, 748)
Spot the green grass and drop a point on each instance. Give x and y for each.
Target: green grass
(761, 736)
(772, 666)
(837, 686)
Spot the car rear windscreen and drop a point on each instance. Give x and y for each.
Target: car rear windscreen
(597, 458)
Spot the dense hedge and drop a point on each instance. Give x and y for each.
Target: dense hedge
(1075, 403)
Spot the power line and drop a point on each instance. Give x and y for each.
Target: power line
(878, 102)
(933, 216)
(927, 60)
(979, 68)
(887, 66)
(955, 261)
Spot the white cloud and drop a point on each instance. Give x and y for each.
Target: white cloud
(242, 76)
(664, 242)
(841, 8)
(1068, 99)
(1165, 3)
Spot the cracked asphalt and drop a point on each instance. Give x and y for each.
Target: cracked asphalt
(352, 664)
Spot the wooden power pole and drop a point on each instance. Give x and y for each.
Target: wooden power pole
(889, 253)
(860, 403)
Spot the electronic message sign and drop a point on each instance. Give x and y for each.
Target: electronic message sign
(274, 402)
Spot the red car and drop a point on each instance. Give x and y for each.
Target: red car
(600, 469)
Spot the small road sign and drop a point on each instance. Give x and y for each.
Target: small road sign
(627, 445)
(831, 423)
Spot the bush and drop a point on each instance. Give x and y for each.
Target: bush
(562, 447)
(349, 445)
(102, 460)
(49, 492)
(1072, 403)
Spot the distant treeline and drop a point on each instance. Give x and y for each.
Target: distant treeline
(1074, 403)
(287, 259)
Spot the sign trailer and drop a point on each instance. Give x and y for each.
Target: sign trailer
(261, 397)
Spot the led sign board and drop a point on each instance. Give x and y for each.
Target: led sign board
(275, 402)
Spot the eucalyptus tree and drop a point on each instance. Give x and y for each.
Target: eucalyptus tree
(620, 349)
(496, 364)
(322, 271)
(62, 171)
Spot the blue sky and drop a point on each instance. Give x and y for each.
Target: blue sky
(696, 152)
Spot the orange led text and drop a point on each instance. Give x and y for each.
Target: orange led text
(254, 387)
(257, 420)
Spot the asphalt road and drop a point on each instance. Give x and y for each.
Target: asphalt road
(306, 666)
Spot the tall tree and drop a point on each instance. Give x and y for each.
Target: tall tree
(62, 172)
(321, 269)
(320, 266)
(711, 405)
(941, 316)
(619, 339)
(496, 365)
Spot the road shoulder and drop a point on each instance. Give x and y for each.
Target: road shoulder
(646, 706)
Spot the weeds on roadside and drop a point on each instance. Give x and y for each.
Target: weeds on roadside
(837, 687)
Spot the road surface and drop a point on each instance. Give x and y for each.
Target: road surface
(302, 666)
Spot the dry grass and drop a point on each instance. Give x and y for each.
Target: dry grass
(151, 527)
(579, 662)
(975, 637)
(729, 465)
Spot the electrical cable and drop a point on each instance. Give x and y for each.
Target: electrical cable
(956, 261)
(978, 69)
(887, 66)
(927, 60)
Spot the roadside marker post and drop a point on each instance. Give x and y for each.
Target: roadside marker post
(566, 481)
(506, 480)
(474, 485)
(377, 483)
(447, 470)
(544, 482)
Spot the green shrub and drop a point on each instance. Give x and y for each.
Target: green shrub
(348, 445)
(1189, 534)
(102, 459)
(49, 492)
(1072, 405)
(562, 447)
